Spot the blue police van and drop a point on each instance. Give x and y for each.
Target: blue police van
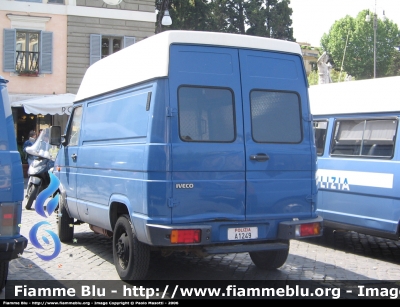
(11, 188)
(357, 139)
(194, 142)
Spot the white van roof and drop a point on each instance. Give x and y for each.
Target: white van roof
(149, 58)
(354, 97)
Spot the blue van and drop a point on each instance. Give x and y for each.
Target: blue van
(356, 134)
(193, 142)
(11, 188)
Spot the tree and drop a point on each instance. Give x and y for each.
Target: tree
(312, 78)
(280, 21)
(267, 18)
(197, 16)
(188, 14)
(230, 15)
(394, 69)
(358, 55)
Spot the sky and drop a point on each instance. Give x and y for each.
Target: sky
(312, 18)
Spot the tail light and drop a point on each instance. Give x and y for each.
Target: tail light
(9, 218)
(185, 236)
(306, 230)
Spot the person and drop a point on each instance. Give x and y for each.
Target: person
(30, 142)
(324, 69)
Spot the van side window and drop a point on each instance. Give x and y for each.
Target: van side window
(276, 117)
(206, 114)
(365, 138)
(320, 130)
(75, 127)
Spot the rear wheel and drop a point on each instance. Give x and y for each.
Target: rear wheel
(269, 260)
(65, 224)
(3, 274)
(32, 192)
(131, 257)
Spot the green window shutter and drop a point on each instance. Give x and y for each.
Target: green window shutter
(95, 48)
(46, 53)
(129, 40)
(9, 49)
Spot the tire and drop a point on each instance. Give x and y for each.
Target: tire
(65, 231)
(32, 192)
(131, 257)
(269, 260)
(3, 274)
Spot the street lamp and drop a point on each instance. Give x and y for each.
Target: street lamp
(375, 25)
(164, 18)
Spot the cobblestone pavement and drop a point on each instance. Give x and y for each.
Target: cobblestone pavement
(339, 256)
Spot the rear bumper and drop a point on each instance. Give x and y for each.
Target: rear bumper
(159, 235)
(289, 230)
(245, 247)
(10, 248)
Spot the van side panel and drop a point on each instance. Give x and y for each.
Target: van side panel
(360, 192)
(278, 129)
(157, 188)
(208, 163)
(112, 163)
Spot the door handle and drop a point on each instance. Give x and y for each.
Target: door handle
(74, 156)
(260, 157)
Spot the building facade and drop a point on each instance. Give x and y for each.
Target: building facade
(48, 45)
(102, 29)
(310, 56)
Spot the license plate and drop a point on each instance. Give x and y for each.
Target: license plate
(242, 233)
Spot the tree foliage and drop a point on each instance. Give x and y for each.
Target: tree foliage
(190, 15)
(267, 18)
(358, 56)
(394, 68)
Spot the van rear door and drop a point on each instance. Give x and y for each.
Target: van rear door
(279, 149)
(208, 162)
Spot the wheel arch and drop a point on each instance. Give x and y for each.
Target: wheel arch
(119, 205)
(63, 195)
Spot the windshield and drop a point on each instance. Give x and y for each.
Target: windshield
(42, 148)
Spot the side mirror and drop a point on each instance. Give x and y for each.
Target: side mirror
(55, 135)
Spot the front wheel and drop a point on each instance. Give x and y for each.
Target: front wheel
(32, 193)
(131, 257)
(3, 274)
(269, 260)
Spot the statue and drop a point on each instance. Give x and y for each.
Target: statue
(324, 69)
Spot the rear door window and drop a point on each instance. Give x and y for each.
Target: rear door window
(206, 114)
(275, 117)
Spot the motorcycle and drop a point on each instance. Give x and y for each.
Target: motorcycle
(38, 172)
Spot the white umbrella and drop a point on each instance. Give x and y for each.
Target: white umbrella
(48, 104)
